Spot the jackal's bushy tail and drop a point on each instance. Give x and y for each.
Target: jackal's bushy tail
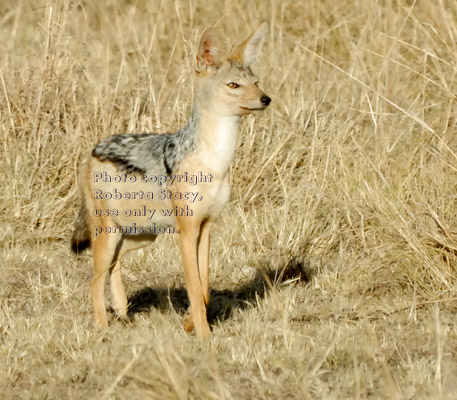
(81, 235)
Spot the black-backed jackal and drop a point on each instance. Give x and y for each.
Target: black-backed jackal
(135, 186)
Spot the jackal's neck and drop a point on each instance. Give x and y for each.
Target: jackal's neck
(216, 136)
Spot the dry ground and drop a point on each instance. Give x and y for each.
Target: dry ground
(334, 266)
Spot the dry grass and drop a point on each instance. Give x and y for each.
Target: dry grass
(349, 179)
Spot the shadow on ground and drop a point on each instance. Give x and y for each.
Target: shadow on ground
(222, 302)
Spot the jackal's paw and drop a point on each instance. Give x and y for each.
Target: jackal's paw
(188, 323)
(125, 319)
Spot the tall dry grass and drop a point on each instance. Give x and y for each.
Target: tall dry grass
(334, 265)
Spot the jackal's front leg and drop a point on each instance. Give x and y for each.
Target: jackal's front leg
(203, 257)
(188, 242)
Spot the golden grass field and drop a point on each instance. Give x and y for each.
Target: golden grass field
(333, 269)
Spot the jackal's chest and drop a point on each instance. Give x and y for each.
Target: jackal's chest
(212, 158)
(213, 190)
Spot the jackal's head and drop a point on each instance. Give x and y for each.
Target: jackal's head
(226, 85)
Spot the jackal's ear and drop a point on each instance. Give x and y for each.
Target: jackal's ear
(209, 50)
(246, 52)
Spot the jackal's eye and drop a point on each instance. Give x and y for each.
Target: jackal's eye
(256, 83)
(233, 85)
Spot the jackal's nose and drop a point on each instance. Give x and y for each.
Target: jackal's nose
(265, 100)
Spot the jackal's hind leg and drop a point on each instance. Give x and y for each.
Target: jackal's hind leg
(105, 258)
(118, 295)
(128, 243)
